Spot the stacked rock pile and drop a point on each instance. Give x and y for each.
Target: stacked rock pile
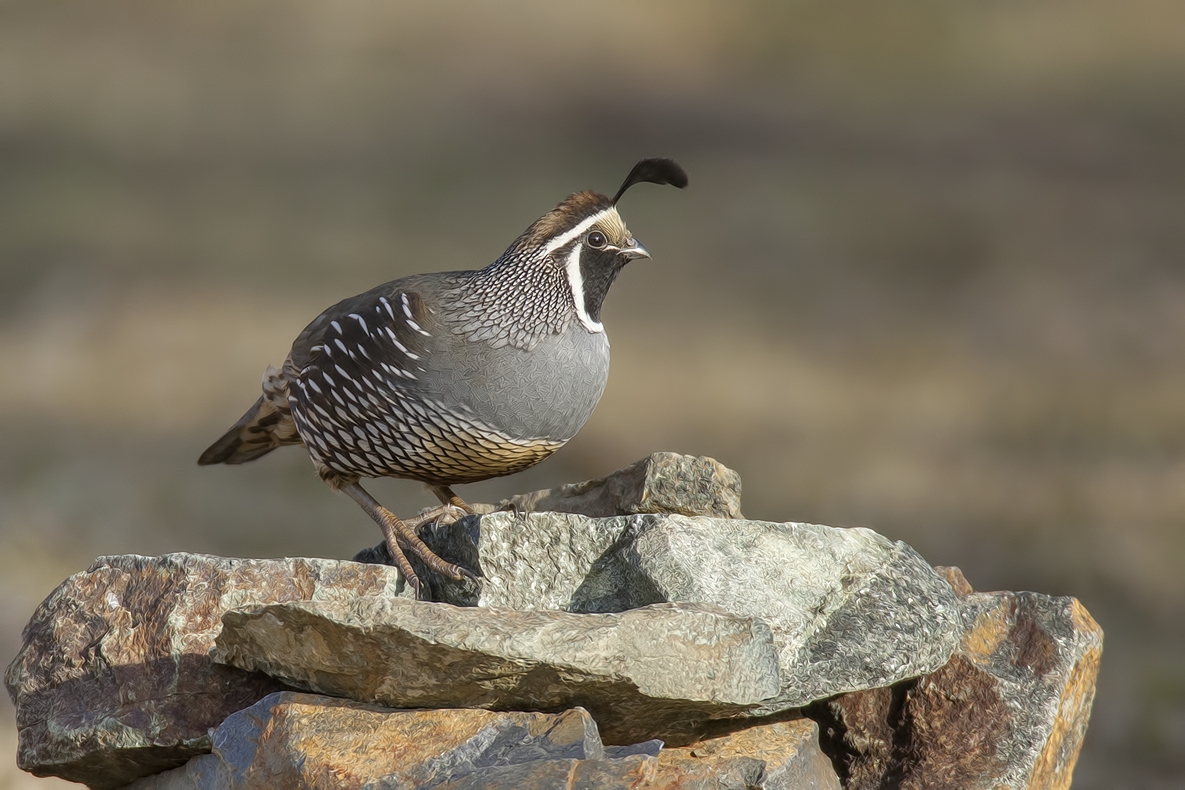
(632, 631)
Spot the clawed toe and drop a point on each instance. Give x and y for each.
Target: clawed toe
(402, 537)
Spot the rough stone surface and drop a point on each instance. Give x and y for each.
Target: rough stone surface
(303, 740)
(660, 483)
(1009, 710)
(290, 739)
(649, 601)
(625, 773)
(658, 671)
(849, 609)
(114, 680)
(778, 756)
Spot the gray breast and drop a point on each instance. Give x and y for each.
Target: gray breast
(546, 392)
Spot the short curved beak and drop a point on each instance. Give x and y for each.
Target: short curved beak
(635, 251)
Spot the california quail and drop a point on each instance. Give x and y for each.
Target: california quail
(453, 377)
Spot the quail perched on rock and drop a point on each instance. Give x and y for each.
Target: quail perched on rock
(453, 377)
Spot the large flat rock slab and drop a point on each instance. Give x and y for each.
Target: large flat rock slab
(658, 671)
(848, 608)
(1009, 710)
(114, 679)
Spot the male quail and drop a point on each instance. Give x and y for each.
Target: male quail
(453, 377)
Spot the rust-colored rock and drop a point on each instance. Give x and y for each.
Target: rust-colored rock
(303, 740)
(114, 680)
(1009, 710)
(780, 756)
(955, 577)
(290, 739)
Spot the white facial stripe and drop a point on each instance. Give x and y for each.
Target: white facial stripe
(576, 283)
(561, 240)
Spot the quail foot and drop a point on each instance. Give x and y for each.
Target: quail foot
(453, 377)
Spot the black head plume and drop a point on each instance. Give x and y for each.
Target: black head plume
(656, 171)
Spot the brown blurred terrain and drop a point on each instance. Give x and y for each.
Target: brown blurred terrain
(928, 277)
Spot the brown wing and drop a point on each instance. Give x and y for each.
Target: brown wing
(355, 393)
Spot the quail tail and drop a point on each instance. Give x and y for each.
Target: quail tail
(262, 429)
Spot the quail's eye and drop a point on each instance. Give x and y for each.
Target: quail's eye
(596, 240)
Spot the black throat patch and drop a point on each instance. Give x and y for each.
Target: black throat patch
(598, 270)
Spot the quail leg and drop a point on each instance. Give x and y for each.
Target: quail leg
(399, 535)
(447, 497)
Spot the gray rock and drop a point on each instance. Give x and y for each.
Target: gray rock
(849, 609)
(626, 773)
(660, 483)
(1009, 710)
(657, 671)
(114, 680)
(304, 740)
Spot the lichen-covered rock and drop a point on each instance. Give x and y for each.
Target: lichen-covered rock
(658, 671)
(660, 483)
(1009, 710)
(114, 680)
(849, 609)
(779, 756)
(303, 740)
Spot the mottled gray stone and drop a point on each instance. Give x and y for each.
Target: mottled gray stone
(114, 681)
(303, 740)
(660, 483)
(849, 609)
(657, 671)
(626, 773)
(1009, 710)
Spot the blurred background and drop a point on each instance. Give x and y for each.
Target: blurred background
(928, 277)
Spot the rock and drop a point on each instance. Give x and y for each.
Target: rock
(625, 773)
(849, 609)
(955, 578)
(778, 756)
(658, 671)
(660, 483)
(114, 681)
(1009, 710)
(289, 739)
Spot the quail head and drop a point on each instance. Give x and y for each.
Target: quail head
(453, 377)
